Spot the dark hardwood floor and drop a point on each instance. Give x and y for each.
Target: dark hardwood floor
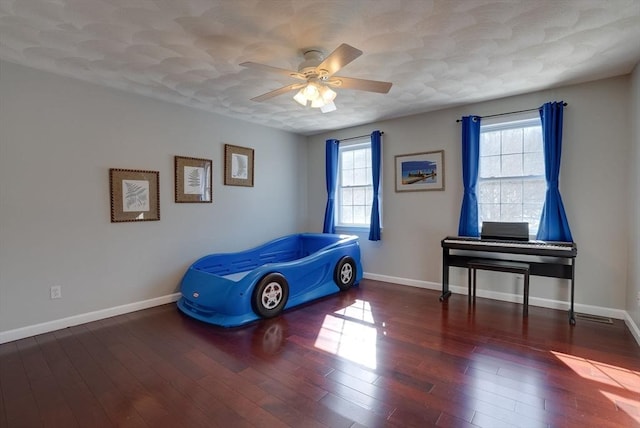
(378, 355)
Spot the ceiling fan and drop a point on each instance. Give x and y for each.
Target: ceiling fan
(317, 75)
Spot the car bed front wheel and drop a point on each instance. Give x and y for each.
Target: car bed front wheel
(270, 295)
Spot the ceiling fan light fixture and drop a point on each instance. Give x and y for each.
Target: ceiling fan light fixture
(327, 94)
(319, 95)
(311, 91)
(328, 107)
(301, 98)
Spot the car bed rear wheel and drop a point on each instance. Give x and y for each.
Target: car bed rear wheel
(270, 295)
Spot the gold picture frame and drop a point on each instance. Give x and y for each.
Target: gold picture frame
(420, 171)
(193, 180)
(135, 195)
(238, 166)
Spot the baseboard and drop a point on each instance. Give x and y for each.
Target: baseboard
(633, 327)
(506, 297)
(405, 281)
(33, 330)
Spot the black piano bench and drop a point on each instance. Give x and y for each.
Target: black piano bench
(499, 266)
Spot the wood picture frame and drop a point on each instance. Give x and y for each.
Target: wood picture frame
(193, 180)
(420, 171)
(135, 195)
(238, 166)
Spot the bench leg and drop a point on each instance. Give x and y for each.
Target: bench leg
(474, 284)
(526, 295)
(469, 284)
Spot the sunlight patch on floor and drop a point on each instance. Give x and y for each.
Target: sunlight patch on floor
(621, 386)
(360, 310)
(350, 333)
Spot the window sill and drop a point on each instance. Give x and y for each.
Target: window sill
(353, 229)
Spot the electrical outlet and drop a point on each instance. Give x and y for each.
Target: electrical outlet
(56, 292)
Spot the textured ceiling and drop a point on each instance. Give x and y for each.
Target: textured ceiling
(437, 53)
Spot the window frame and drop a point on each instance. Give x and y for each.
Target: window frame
(355, 227)
(519, 121)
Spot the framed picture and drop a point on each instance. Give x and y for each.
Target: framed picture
(420, 171)
(192, 180)
(238, 166)
(135, 195)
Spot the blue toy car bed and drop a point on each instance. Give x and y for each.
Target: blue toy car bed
(232, 289)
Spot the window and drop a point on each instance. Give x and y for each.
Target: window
(511, 181)
(355, 185)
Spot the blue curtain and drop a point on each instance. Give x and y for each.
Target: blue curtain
(470, 161)
(376, 153)
(331, 178)
(553, 222)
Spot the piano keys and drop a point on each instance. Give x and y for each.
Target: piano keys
(539, 248)
(548, 259)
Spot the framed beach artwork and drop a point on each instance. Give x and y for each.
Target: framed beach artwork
(135, 195)
(420, 171)
(192, 180)
(238, 166)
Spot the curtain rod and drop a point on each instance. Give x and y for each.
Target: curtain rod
(511, 112)
(359, 136)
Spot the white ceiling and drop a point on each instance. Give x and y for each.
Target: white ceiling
(437, 53)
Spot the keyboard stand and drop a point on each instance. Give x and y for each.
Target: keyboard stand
(553, 261)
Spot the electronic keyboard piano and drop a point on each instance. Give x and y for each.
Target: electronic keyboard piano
(550, 259)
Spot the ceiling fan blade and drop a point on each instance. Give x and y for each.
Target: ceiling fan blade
(360, 84)
(337, 59)
(268, 68)
(277, 92)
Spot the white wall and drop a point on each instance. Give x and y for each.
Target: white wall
(58, 139)
(593, 182)
(633, 288)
